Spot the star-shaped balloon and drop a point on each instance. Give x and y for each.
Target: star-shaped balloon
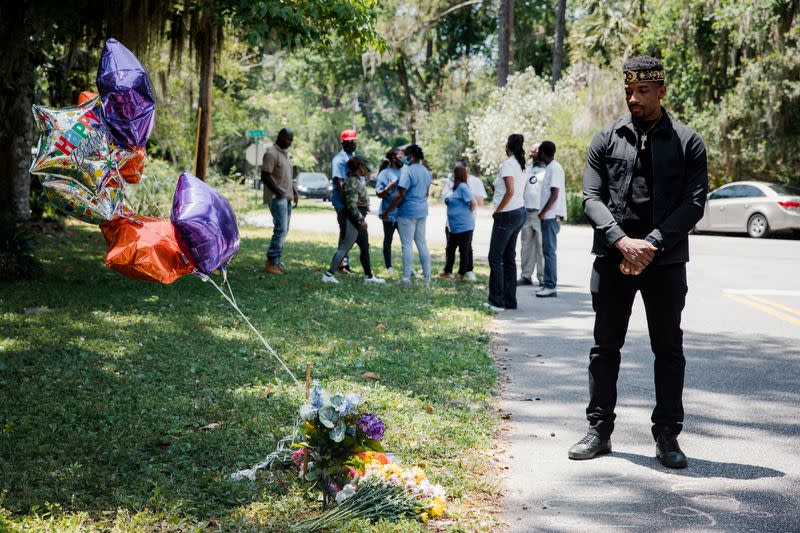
(76, 200)
(71, 139)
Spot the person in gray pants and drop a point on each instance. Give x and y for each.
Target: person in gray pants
(531, 234)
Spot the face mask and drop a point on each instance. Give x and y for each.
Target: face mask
(404, 160)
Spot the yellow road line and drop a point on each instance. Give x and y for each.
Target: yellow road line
(765, 308)
(766, 301)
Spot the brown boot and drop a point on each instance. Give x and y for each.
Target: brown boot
(272, 268)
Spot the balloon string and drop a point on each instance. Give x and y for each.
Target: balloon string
(261, 338)
(227, 283)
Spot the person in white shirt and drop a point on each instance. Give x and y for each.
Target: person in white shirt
(553, 210)
(509, 216)
(531, 234)
(478, 191)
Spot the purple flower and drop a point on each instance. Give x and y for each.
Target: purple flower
(372, 426)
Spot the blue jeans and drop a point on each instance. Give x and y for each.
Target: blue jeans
(503, 257)
(281, 209)
(412, 231)
(550, 228)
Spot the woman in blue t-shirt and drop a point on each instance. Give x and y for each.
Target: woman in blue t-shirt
(413, 187)
(460, 204)
(386, 190)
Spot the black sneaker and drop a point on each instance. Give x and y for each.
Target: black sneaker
(524, 281)
(588, 447)
(668, 451)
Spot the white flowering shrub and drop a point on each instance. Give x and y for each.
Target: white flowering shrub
(525, 105)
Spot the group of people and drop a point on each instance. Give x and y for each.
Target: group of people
(527, 199)
(644, 188)
(531, 201)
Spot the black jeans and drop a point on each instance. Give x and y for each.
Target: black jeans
(462, 241)
(663, 291)
(341, 218)
(503, 257)
(388, 235)
(353, 235)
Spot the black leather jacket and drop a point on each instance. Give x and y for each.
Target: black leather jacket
(680, 186)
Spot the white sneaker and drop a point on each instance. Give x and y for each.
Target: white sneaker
(490, 307)
(404, 281)
(390, 271)
(470, 276)
(327, 277)
(546, 293)
(373, 279)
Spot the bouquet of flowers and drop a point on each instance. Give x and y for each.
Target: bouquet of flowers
(335, 432)
(382, 490)
(343, 457)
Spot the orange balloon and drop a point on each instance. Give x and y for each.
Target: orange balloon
(85, 96)
(145, 248)
(131, 171)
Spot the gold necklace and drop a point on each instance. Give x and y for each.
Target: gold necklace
(644, 134)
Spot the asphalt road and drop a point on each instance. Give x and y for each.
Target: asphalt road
(741, 397)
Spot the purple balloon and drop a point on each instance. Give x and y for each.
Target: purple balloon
(205, 223)
(128, 98)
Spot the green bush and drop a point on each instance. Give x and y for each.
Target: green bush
(575, 213)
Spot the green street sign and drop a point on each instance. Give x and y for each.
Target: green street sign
(251, 134)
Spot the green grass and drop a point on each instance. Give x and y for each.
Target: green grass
(107, 384)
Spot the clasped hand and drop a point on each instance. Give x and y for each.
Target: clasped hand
(637, 255)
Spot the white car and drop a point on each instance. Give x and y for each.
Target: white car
(753, 207)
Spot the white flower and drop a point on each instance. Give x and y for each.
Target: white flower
(347, 491)
(437, 491)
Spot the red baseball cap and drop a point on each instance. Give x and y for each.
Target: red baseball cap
(348, 135)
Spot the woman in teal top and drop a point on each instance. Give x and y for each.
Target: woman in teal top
(460, 204)
(413, 188)
(386, 190)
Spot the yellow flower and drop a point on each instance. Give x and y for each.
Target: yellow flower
(392, 469)
(419, 474)
(423, 517)
(437, 508)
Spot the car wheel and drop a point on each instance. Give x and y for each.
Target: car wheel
(758, 226)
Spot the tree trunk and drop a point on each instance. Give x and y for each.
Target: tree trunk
(207, 53)
(558, 51)
(505, 25)
(206, 43)
(17, 83)
(402, 74)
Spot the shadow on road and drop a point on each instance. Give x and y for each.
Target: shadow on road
(701, 468)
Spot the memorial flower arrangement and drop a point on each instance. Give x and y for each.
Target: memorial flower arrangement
(342, 456)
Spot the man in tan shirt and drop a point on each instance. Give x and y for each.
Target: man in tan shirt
(279, 193)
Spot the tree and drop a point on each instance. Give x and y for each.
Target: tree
(534, 27)
(561, 29)
(732, 68)
(505, 27)
(43, 29)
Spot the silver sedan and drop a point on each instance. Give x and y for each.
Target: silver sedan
(755, 207)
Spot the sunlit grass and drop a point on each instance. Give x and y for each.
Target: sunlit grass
(107, 382)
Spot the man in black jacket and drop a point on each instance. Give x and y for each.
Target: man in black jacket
(644, 189)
